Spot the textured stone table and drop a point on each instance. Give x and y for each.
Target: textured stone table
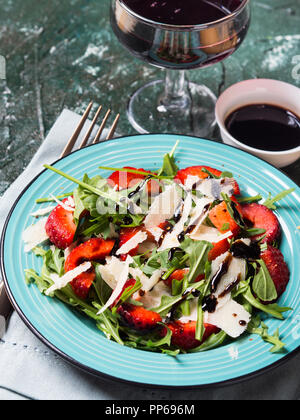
(64, 54)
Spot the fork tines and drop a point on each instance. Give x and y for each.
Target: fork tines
(70, 145)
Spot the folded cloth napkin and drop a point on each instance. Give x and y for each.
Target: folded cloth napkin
(29, 370)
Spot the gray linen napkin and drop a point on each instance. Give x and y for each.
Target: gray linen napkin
(29, 370)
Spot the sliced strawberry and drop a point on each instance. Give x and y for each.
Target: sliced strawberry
(60, 226)
(93, 250)
(138, 317)
(218, 249)
(125, 180)
(222, 220)
(183, 334)
(179, 275)
(125, 235)
(277, 267)
(199, 171)
(259, 216)
(129, 284)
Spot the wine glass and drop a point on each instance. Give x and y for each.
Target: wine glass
(174, 104)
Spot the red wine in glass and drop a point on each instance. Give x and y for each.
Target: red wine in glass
(179, 35)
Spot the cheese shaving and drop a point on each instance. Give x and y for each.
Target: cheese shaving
(35, 234)
(61, 282)
(121, 280)
(133, 242)
(163, 207)
(42, 212)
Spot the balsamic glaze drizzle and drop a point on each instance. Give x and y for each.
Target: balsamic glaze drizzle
(139, 187)
(223, 269)
(248, 252)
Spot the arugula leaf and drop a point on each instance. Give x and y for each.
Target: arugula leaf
(200, 329)
(256, 326)
(214, 341)
(234, 213)
(243, 200)
(254, 232)
(169, 167)
(51, 199)
(198, 256)
(270, 202)
(263, 285)
(271, 309)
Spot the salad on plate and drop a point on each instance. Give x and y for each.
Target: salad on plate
(172, 261)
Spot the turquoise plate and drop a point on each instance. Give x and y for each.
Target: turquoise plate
(76, 338)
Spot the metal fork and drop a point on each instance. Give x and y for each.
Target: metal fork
(5, 305)
(70, 145)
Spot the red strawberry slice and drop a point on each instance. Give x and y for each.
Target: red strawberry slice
(60, 226)
(259, 216)
(138, 317)
(129, 284)
(93, 250)
(277, 267)
(183, 334)
(125, 180)
(218, 249)
(125, 235)
(179, 275)
(222, 220)
(198, 171)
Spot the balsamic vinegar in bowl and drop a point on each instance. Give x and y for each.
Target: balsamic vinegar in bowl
(265, 127)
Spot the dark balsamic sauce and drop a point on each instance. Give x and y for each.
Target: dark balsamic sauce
(187, 293)
(181, 237)
(248, 252)
(209, 304)
(231, 286)
(167, 230)
(265, 127)
(172, 253)
(139, 187)
(223, 269)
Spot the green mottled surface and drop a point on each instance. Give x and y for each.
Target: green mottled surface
(63, 54)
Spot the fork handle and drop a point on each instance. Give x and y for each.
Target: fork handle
(5, 305)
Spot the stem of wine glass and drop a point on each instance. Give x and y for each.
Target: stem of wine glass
(176, 95)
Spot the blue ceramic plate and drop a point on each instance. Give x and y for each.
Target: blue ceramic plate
(78, 340)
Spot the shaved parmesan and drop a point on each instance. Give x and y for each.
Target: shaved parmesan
(232, 318)
(68, 205)
(61, 282)
(236, 272)
(171, 239)
(163, 207)
(111, 271)
(190, 182)
(152, 299)
(211, 187)
(133, 242)
(121, 280)
(156, 232)
(200, 212)
(147, 283)
(42, 212)
(210, 234)
(35, 234)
